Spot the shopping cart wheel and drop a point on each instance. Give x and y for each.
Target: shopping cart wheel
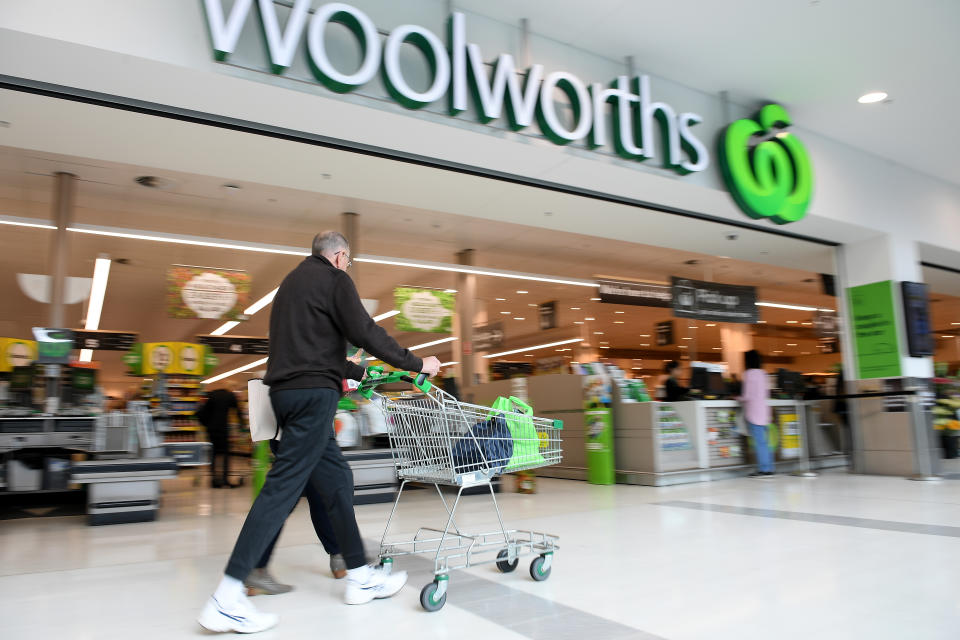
(537, 572)
(504, 564)
(428, 597)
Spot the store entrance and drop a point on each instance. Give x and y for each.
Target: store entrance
(529, 261)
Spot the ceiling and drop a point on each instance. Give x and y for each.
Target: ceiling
(815, 56)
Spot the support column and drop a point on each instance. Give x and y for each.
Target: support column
(884, 442)
(65, 187)
(351, 230)
(466, 309)
(735, 339)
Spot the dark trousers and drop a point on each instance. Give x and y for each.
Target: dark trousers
(307, 452)
(318, 514)
(221, 453)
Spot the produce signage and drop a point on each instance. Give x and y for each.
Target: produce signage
(457, 71)
(424, 310)
(214, 294)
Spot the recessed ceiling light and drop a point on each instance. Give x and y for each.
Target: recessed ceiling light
(691, 327)
(955, 323)
(806, 324)
(598, 333)
(578, 322)
(604, 347)
(793, 322)
(530, 304)
(872, 97)
(947, 336)
(791, 344)
(574, 308)
(718, 348)
(529, 355)
(712, 324)
(645, 344)
(636, 368)
(594, 299)
(604, 342)
(589, 318)
(501, 299)
(688, 338)
(504, 313)
(618, 322)
(644, 335)
(619, 311)
(761, 322)
(521, 291)
(518, 318)
(683, 346)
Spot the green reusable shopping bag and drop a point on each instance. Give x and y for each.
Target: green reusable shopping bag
(526, 443)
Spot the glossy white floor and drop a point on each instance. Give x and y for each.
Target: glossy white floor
(733, 559)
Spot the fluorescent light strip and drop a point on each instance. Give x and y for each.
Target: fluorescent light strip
(245, 367)
(539, 346)
(226, 326)
(795, 307)
(430, 344)
(189, 240)
(22, 222)
(98, 290)
(385, 315)
(438, 266)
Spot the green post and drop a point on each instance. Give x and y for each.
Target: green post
(598, 416)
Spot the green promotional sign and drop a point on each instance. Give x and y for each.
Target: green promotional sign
(772, 178)
(876, 339)
(424, 310)
(598, 417)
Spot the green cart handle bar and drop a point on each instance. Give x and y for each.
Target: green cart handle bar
(376, 377)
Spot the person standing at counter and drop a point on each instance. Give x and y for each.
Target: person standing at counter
(756, 410)
(673, 390)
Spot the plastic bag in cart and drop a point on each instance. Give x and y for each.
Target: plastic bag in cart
(526, 442)
(492, 439)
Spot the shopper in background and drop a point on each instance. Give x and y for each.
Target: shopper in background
(756, 410)
(316, 310)
(214, 415)
(674, 391)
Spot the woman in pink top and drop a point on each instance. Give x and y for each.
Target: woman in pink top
(756, 410)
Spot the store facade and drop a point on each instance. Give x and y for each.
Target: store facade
(397, 105)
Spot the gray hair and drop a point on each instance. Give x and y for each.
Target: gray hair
(328, 243)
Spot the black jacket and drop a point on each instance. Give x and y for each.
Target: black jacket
(315, 312)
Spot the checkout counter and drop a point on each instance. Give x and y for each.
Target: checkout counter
(660, 443)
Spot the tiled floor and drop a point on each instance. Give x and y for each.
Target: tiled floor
(766, 559)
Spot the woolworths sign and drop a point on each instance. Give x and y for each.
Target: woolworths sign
(638, 127)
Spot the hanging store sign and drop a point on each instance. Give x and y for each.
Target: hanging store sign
(238, 344)
(488, 336)
(547, 314)
(180, 358)
(213, 294)
(714, 301)
(53, 345)
(16, 353)
(665, 333)
(104, 340)
(635, 293)
(458, 70)
(425, 310)
(916, 315)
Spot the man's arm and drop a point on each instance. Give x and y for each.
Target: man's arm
(359, 328)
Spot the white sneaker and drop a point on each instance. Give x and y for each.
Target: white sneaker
(242, 617)
(378, 584)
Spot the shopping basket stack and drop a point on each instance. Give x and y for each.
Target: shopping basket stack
(438, 440)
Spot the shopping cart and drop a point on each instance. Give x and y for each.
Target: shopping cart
(436, 439)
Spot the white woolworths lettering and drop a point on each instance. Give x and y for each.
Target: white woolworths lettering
(635, 115)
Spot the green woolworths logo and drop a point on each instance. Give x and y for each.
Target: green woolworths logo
(772, 178)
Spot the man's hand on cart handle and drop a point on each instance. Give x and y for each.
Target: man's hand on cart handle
(431, 366)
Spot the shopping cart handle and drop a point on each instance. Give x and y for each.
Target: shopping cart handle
(376, 377)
